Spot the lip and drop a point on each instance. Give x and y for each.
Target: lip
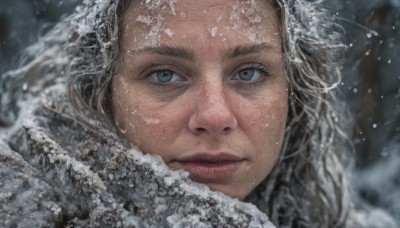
(210, 166)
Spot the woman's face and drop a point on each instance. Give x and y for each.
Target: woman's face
(201, 84)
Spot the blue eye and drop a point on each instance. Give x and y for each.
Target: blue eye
(164, 76)
(249, 74)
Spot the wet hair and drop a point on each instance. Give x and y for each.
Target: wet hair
(308, 186)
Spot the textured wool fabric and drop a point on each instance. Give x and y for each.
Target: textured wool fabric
(58, 171)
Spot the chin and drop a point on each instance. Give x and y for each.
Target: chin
(230, 190)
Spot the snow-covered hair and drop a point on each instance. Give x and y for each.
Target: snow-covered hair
(308, 186)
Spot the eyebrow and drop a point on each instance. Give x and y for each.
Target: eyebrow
(185, 53)
(179, 52)
(247, 49)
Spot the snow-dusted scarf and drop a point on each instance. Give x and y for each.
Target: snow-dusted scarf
(57, 171)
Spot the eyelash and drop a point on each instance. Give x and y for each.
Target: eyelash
(264, 70)
(149, 72)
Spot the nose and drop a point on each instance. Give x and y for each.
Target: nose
(213, 114)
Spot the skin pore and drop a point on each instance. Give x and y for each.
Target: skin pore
(201, 84)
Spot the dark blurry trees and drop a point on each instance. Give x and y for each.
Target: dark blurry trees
(23, 21)
(371, 75)
(371, 88)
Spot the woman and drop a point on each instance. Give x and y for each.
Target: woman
(237, 93)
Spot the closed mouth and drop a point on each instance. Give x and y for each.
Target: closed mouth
(210, 166)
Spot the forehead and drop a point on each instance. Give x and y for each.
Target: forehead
(152, 22)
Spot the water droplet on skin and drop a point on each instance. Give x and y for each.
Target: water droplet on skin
(374, 125)
(389, 61)
(368, 52)
(24, 87)
(351, 45)
(355, 90)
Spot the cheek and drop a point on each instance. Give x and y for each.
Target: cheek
(274, 116)
(120, 110)
(123, 106)
(141, 122)
(141, 125)
(151, 125)
(265, 122)
(268, 136)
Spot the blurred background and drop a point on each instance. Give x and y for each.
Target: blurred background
(371, 84)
